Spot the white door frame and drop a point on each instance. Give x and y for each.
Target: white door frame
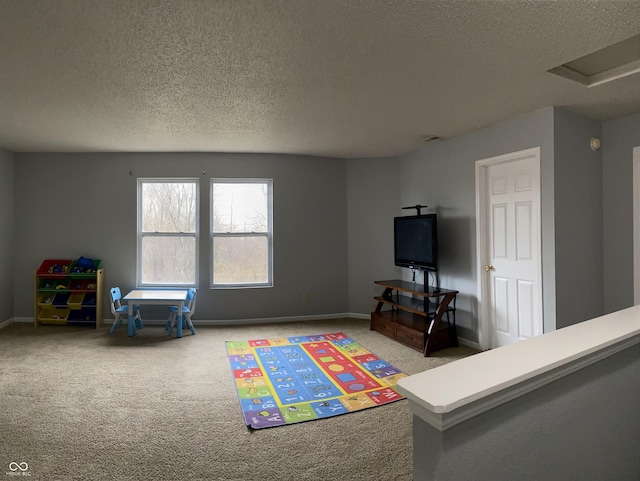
(636, 225)
(484, 317)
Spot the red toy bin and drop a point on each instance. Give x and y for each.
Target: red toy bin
(54, 267)
(77, 284)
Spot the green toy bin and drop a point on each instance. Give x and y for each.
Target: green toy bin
(78, 269)
(52, 285)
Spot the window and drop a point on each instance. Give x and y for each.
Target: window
(167, 232)
(241, 233)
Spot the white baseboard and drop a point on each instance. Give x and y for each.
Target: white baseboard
(235, 322)
(257, 320)
(222, 322)
(471, 344)
(8, 322)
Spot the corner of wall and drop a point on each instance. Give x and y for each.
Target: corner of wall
(7, 220)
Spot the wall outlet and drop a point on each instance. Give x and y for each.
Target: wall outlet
(307, 297)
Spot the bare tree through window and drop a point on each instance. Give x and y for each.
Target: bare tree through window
(241, 232)
(168, 220)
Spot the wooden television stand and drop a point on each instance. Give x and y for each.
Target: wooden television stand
(421, 321)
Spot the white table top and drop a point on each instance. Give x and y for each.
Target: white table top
(157, 295)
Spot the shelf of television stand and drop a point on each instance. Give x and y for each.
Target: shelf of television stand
(426, 321)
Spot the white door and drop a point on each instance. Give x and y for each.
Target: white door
(510, 274)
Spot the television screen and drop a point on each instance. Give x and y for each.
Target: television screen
(416, 241)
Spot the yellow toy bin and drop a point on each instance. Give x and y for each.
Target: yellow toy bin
(75, 300)
(45, 299)
(54, 315)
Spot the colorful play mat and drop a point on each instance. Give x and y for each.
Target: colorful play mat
(290, 380)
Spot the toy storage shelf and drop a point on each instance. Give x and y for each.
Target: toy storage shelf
(66, 293)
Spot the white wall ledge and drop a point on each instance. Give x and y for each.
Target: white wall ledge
(450, 394)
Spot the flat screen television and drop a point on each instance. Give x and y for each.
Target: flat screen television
(416, 241)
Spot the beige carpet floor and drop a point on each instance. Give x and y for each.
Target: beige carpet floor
(81, 404)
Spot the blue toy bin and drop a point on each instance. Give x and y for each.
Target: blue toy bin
(82, 316)
(89, 299)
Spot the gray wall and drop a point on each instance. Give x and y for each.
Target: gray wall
(373, 197)
(585, 273)
(7, 216)
(85, 204)
(619, 137)
(333, 219)
(442, 176)
(582, 427)
(578, 219)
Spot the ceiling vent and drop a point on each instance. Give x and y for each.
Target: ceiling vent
(616, 61)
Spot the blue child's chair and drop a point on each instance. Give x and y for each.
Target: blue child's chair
(187, 311)
(121, 311)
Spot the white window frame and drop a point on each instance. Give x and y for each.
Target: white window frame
(141, 235)
(268, 234)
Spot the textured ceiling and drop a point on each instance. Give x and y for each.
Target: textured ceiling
(339, 78)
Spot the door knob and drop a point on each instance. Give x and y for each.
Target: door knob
(489, 268)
